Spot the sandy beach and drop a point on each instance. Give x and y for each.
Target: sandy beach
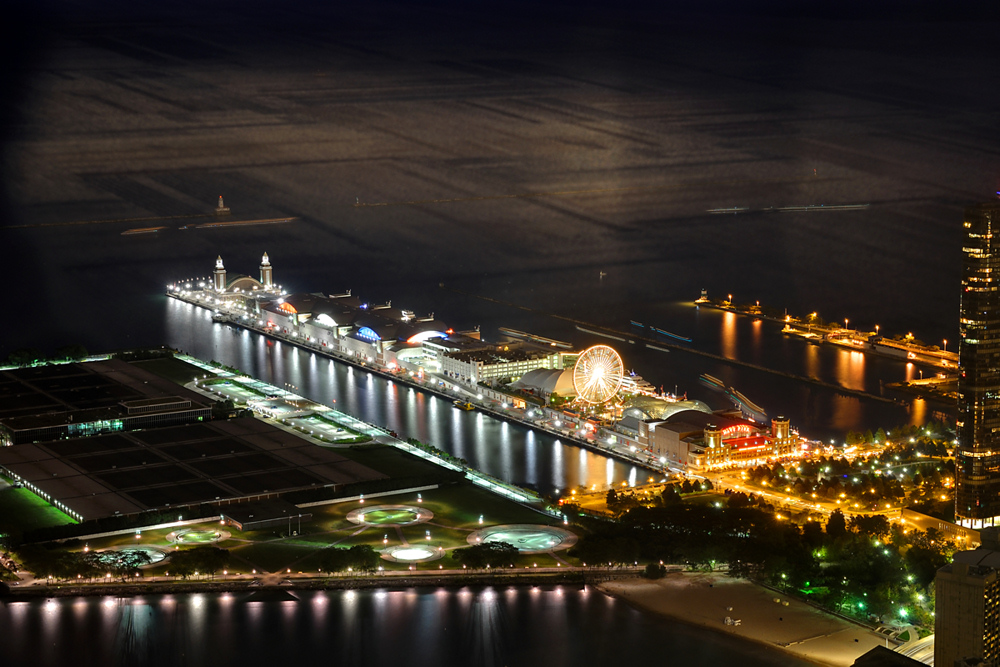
(705, 599)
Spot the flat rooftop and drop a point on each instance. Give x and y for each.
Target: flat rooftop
(136, 471)
(54, 395)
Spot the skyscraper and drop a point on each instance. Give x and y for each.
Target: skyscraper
(967, 604)
(977, 461)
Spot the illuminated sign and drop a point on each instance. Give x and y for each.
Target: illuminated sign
(367, 333)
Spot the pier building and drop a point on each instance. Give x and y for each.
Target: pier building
(703, 440)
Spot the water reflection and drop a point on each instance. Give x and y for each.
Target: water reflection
(850, 371)
(555, 627)
(729, 321)
(508, 451)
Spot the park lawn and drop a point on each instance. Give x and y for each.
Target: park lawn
(172, 369)
(156, 538)
(417, 534)
(389, 461)
(275, 555)
(461, 505)
(23, 510)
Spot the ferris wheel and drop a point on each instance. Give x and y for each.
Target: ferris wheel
(598, 374)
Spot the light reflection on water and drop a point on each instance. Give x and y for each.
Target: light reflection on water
(556, 626)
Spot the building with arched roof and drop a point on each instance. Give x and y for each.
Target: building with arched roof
(543, 382)
(705, 440)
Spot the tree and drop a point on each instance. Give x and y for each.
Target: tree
(923, 563)
(25, 356)
(486, 554)
(363, 558)
(655, 571)
(836, 526)
(71, 352)
(222, 409)
(203, 560)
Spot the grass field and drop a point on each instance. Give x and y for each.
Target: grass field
(23, 510)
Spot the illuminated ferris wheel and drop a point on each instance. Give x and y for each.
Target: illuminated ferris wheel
(598, 374)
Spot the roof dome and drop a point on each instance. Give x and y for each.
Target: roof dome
(548, 381)
(648, 407)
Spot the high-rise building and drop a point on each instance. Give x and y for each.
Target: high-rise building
(967, 605)
(977, 459)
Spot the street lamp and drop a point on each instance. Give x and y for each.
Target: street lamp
(945, 341)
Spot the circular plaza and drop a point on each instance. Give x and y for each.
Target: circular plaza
(124, 555)
(198, 536)
(412, 553)
(528, 538)
(389, 515)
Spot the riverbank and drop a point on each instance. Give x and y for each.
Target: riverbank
(707, 600)
(247, 585)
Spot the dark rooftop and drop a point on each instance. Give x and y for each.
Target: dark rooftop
(77, 393)
(130, 472)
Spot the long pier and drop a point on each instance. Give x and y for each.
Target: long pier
(402, 379)
(891, 349)
(661, 344)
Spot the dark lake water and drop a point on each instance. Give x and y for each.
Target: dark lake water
(486, 627)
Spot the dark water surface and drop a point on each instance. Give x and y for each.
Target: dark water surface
(486, 627)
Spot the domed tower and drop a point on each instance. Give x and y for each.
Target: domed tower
(266, 279)
(219, 275)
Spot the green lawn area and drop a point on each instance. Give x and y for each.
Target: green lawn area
(23, 510)
(389, 460)
(456, 514)
(172, 369)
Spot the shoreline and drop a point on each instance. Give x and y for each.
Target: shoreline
(706, 599)
(133, 589)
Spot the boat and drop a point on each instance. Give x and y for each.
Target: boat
(464, 405)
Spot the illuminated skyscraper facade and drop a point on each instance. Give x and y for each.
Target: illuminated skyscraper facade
(977, 460)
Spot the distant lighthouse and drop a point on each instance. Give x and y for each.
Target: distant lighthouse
(219, 275)
(266, 279)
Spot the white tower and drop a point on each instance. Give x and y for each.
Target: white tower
(219, 275)
(266, 279)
